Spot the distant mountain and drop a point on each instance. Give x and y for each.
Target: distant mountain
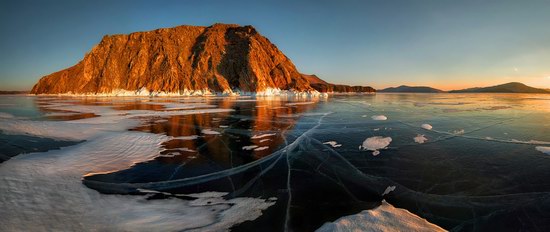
(512, 87)
(411, 89)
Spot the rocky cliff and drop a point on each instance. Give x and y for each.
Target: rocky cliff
(181, 60)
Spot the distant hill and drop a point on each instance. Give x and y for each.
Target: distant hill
(512, 87)
(324, 87)
(13, 92)
(411, 89)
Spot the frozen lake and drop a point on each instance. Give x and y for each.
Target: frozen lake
(387, 161)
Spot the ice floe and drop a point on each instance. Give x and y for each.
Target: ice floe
(383, 218)
(375, 143)
(379, 117)
(420, 139)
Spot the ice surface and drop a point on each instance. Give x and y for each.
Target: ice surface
(384, 218)
(445, 181)
(54, 179)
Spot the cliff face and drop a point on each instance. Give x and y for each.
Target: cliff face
(183, 59)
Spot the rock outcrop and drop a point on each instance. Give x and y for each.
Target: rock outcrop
(325, 87)
(222, 58)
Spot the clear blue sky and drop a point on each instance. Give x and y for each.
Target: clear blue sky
(445, 44)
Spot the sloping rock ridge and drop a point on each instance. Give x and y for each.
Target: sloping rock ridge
(184, 60)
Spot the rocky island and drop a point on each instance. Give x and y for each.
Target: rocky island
(186, 60)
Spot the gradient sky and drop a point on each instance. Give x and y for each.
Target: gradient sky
(444, 44)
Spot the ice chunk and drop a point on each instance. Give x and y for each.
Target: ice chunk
(545, 150)
(388, 190)
(426, 126)
(379, 117)
(333, 144)
(383, 218)
(420, 139)
(375, 143)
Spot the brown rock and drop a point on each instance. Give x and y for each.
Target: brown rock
(219, 58)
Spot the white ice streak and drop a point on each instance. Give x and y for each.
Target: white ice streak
(333, 143)
(261, 148)
(189, 137)
(379, 117)
(420, 138)
(248, 148)
(383, 218)
(426, 126)
(262, 136)
(298, 103)
(210, 132)
(545, 150)
(375, 143)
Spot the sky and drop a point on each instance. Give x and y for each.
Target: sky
(440, 43)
